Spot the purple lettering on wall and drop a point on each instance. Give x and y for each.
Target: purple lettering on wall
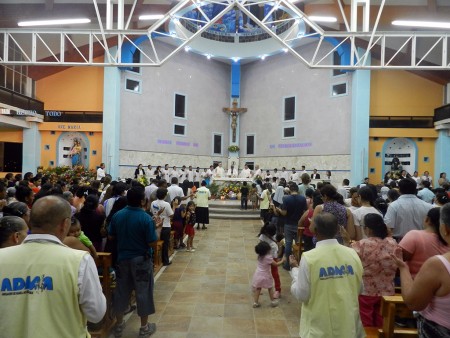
(195, 145)
(164, 142)
(272, 146)
(294, 145)
(183, 144)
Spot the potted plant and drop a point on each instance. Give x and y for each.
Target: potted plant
(233, 148)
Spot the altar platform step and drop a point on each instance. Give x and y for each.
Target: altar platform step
(230, 209)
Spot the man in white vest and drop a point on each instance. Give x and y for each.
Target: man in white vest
(328, 283)
(47, 288)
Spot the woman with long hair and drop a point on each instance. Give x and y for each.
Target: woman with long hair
(375, 252)
(333, 202)
(419, 245)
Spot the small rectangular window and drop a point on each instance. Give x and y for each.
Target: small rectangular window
(180, 106)
(339, 89)
(251, 165)
(288, 132)
(179, 129)
(250, 144)
(217, 144)
(133, 85)
(289, 108)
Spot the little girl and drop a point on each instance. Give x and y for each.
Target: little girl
(179, 213)
(267, 234)
(262, 277)
(190, 222)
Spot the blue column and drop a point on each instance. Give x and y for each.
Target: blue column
(31, 153)
(111, 120)
(441, 155)
(235, 94)
(359, 147)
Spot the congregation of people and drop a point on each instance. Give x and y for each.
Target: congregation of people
(358, 241)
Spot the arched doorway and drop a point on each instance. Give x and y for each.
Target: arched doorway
(405, 149)
(65, 143)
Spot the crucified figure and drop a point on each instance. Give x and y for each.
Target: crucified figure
(234, 113)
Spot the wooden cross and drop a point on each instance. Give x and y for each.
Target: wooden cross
(234, 112)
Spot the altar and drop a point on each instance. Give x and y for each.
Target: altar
(223, 180)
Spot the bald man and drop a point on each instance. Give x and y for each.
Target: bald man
(47, 288)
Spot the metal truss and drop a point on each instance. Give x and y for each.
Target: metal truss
(369, 49)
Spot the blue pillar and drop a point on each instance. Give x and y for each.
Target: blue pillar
(359, 147)
(111, 120)
(235, 94)
(31, 153)
(441, 155)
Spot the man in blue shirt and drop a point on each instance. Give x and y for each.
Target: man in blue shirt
(134, 230)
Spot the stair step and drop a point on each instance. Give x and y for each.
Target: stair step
(233, 211)
(233, 216)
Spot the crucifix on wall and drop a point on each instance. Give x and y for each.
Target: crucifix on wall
(234, 112)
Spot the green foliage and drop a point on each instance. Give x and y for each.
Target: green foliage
(67, 173)
(233, 148)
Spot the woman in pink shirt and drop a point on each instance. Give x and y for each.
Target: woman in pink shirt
(419, 245)
(379, 270)
(429, 292)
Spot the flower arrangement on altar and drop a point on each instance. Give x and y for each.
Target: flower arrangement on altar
(230, 191)
(233, 148)
(67, 173)
(143, 180)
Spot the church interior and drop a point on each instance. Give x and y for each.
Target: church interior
(334, 85)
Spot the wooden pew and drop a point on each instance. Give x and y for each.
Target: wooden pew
(157, 255)
(102, 329)
(297, 249)
(392, 306)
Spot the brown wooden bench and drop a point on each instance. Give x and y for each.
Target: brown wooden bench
(102, 329)
(157, 255)
(297, 248)
(391, 307)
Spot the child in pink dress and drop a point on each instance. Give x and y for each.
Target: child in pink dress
(263, 277)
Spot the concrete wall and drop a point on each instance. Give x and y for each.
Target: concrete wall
(147, 118)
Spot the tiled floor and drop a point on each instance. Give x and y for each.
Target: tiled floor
(207, 293)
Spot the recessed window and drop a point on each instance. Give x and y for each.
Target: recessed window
(339, 89)
(51, 163)
(289, 108)
(288, 132)
(47, 147)
(377, 154)
(217, 144)
(136, 59)
(372, 170)
(133, 86)
(94, 152)
(91, 133)
(337, 62)
(179, 129)
(180, 106)
(250, 144)
(52, 132)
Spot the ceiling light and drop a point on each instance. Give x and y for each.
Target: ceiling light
(187, 48)
(322, 18)
(263, 57)
(235, 59)
(151, 17)
(285, 50)
(208, 56)
(52, 22)
(425, 24)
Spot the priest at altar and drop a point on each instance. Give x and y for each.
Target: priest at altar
(219, 171)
